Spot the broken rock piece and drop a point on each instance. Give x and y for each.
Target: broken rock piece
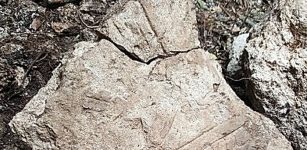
(101, 99)
(277, 65)
(236, 53)
(65, 28)
(59, 27)
(150, 28)
(36, 23)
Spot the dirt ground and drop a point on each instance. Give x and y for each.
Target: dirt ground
(34, 36)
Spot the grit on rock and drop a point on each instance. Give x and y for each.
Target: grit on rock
(275, 64)
(113, 94)
(277, 58)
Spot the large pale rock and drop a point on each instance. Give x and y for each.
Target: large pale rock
(102, 99)
(150, 28)
(277, 62)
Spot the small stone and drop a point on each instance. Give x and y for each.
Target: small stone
(236, 52)
(65, 28)
(36, 23)
(59, 27)
(3, 33)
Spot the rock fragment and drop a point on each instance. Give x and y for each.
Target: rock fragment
(62, 28)
(236, 53)
(148, 31)
(3, 33)
(277, 66)
(36, 23)
(105, 100)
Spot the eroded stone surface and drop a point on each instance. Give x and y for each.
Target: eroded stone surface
(100, 99)
(277, 61)
(150, 28)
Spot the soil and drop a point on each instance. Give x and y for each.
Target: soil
(34, 36)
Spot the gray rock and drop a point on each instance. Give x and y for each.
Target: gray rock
(277, 62)
(236, 53)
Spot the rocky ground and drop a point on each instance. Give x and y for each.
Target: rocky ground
(35, 36)
(262, 47)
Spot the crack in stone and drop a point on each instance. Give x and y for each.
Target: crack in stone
(195, 138)
(134, 56)
(131, 55)
(226, 134)
(174, 53)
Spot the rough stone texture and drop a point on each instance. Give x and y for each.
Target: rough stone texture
(277, 62)
(157, 27)
(102, 99)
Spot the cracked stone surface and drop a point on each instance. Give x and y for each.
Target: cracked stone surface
(149, 28)
(277, 62)
(99, 98)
